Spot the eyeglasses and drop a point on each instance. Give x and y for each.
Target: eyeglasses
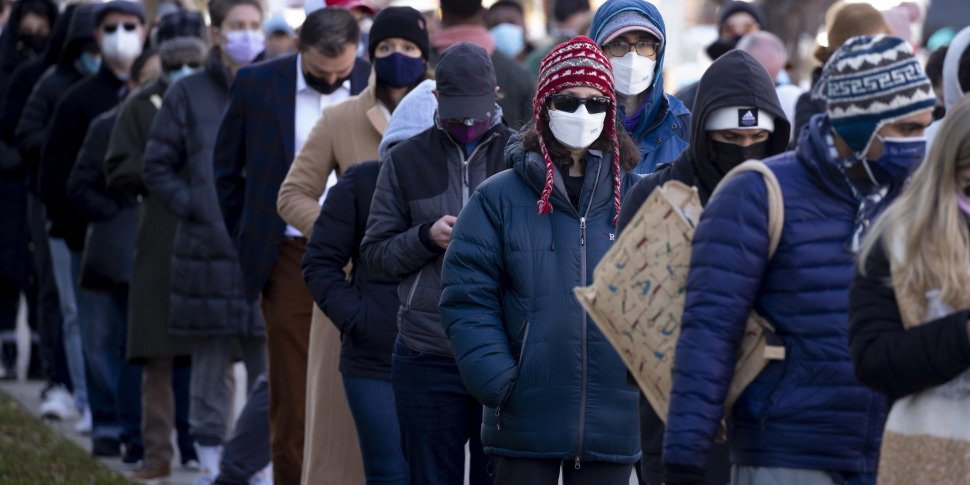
(176, 67)
(569, 103)
(111, 28)
(619, 48)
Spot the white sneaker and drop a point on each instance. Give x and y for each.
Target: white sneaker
(83, 425)
(263, 477)
(209, 457)
(57, 404)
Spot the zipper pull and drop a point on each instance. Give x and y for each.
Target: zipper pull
(576, 466)
(498, 424)
(582, 233)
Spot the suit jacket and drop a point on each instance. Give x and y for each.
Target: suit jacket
(255, 147)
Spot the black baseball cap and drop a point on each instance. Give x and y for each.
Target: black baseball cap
(465, 80)
(123, 6)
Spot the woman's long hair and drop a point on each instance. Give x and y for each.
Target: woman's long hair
(924, 233)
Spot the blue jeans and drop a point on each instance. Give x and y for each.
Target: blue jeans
(103, 318)
(437, 416)
(64, 277)
(372, 404)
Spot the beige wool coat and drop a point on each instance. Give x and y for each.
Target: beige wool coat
(346, 133)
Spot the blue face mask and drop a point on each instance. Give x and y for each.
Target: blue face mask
(509, 39)
(899, 157)
(398, 70)
(180, 73)
(89, 63)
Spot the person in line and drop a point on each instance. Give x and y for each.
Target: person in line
(105, 269)
(464, 21)
(804, 419)
(843, 21)
(734, 85)
(35, 21)
(164, 358)
(346, 133)
(908, 305)
(509, 272)
(364, 308)
(505, 21)
(258, 138)
(568, 17)
(734, 20)
(119, 33)
(280, 38)
(424, 183)
(633, 36)
(207, 294)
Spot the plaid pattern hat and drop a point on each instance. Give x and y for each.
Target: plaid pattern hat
(871, 81)
(578, 62)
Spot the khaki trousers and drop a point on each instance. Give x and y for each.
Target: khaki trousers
(331, 448)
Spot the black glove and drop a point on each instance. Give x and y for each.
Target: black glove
(675, 474)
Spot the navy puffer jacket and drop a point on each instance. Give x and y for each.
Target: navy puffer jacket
(552, 385)
(807, 411)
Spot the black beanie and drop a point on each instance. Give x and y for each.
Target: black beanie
(404, 22)
(732, 8)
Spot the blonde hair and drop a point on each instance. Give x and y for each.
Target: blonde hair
(848, 20)
(924, 234)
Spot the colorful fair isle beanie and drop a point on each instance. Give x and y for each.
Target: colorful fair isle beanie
(577, 62)
(871, 81)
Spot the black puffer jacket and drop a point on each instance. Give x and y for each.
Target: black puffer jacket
(207, 288)
(422, 179)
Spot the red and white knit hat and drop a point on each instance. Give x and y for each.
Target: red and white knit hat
(578, 62)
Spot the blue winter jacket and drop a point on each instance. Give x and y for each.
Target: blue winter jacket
(663, 130)
(552, 385)
(807, 411)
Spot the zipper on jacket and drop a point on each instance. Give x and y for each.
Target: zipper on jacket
(582, 279)
(515, 379)
(465, 178)
(414, 286)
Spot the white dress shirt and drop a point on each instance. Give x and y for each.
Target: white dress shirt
(309, 105)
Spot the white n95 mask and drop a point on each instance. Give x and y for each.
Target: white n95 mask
(632, 73)
(578, 129)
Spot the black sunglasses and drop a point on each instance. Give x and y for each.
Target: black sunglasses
(176, 67)
(111, 28)
(569, 103)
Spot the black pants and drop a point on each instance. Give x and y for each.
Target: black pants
(538, 471)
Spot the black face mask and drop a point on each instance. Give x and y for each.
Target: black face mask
(31, 44)
(321, 85)
(966, 191)
(720, 47)
(939, 112)
(725, 156)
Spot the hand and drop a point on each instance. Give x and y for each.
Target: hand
(440, 231)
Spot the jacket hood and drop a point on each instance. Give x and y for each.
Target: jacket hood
(952, 91)
(59, 35)
(735, 79)
(11, 58)
(414, 114)
(79, 33)
(613, 7)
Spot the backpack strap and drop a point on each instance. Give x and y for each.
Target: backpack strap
(776, 203)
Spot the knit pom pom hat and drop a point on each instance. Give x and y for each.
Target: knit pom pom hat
(575, 63)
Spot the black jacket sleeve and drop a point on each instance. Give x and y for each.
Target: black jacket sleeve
(890, 359)
(33, 123)
(229, 159)
(331, 246)
(60, 149)
(85, 186)
(165, 154)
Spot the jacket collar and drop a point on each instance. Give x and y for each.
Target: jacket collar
(215, 68)
(597, 187)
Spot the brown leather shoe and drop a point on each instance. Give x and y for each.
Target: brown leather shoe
(151, 473)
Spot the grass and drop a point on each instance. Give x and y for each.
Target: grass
(33, 453)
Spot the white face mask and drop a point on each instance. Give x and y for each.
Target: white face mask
(121, 45)
(633, 73)
(576, 130)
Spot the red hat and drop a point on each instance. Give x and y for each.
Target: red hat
(578, 62)
(350, 5)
